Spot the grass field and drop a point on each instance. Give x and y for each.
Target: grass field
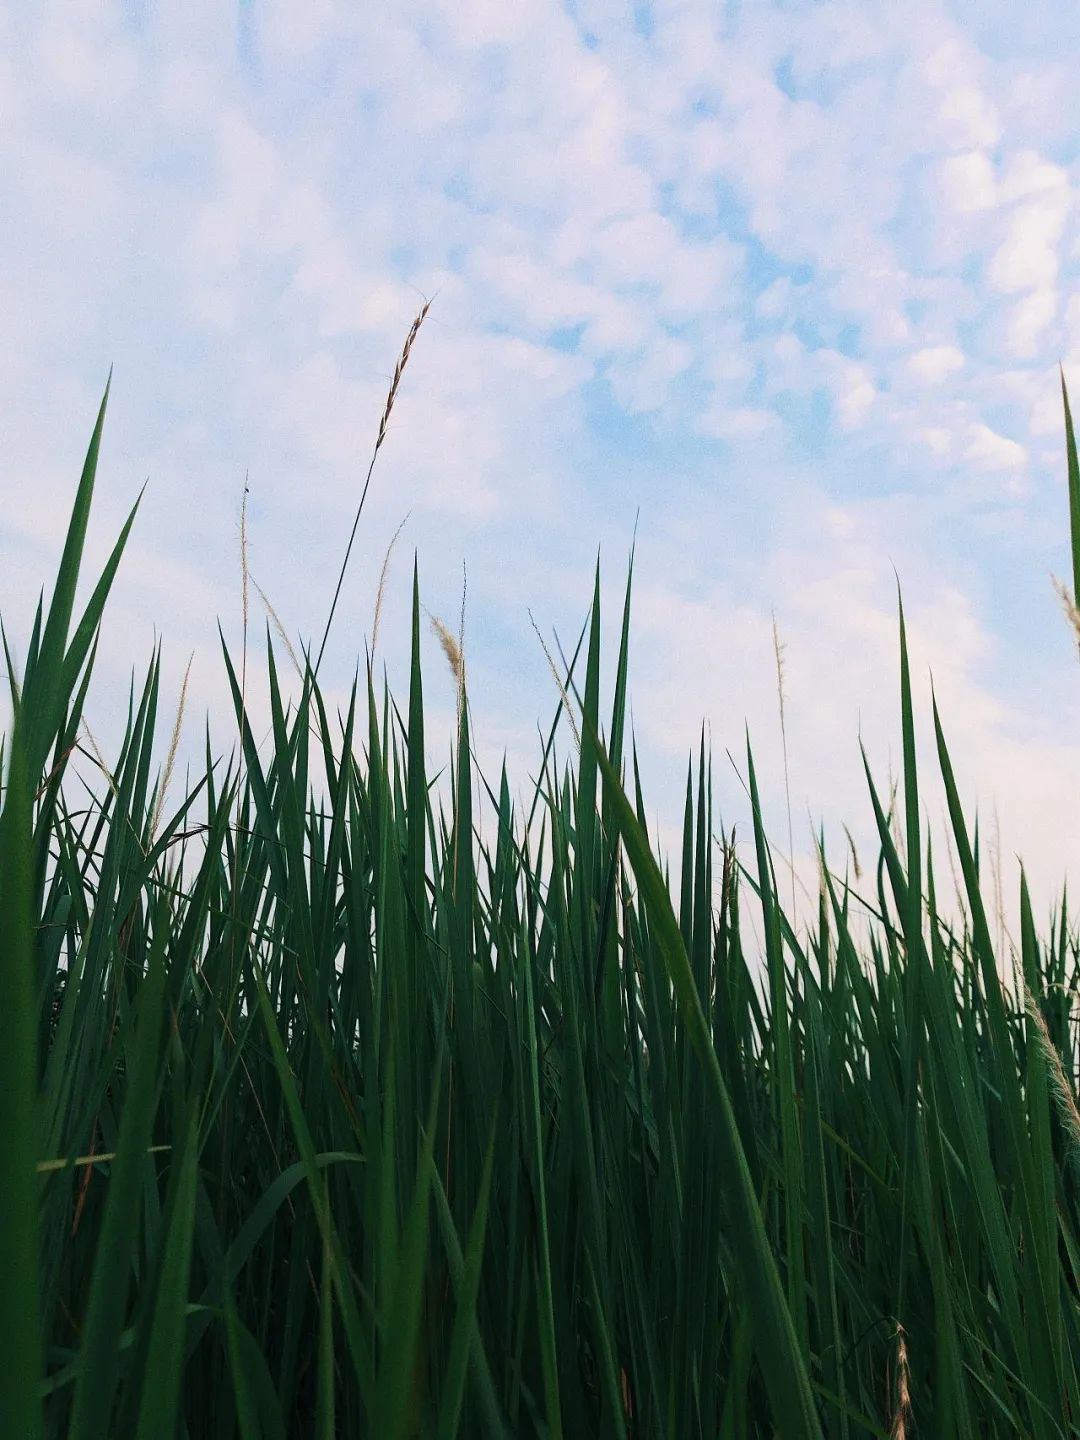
(322, 1118)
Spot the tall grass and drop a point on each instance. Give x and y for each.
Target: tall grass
(323, 1116)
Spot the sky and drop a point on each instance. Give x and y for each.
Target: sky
(786, 286)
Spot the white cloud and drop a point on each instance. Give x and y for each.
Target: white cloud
(658, 259)
(936, 438)
(988, 450)
(741, 424)
(955, 76)
(776, 301)
(854, 400)
(836, 613)
(84, 66)
(1027, 321)
(640, 382)
(968, 118)
(968, 182)
(1028, 256)
(936, 363)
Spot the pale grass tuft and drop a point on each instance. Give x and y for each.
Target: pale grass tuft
(727, 879)
(902, 1414)
(279, 628)
(244, 574)
(382, 583)
(451, 648)
(461, 623)
(892, 818)
(242, 720)
(461, 648)
(170, 758)
(823, 884)
(854, 854)
(561, 687)
(1068, 604)
(99, 759)
(454, 650)
(399, 370)
(778, 650)
(1064, 1099)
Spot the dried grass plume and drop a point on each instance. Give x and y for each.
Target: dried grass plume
(854, 854)
(778, 650)
(279, 628)
(391, 396)
(1060, 1089)
(1068, 604)
(450, 648)
(563, 696)
(382, 583)
(170, 758)
(902, 1414)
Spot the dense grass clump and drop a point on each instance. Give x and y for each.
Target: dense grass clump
(324, 1117)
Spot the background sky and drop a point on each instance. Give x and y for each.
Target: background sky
(791, 280)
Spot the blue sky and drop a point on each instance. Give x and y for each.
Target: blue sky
(791, 280)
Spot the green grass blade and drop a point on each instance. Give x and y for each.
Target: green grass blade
(97, 1379)
(781, 1358)
(20, 1335)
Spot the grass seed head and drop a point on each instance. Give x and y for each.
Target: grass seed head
(170, 759)
(902, 1414)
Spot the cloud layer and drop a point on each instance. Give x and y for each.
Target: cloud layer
(792, 282)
